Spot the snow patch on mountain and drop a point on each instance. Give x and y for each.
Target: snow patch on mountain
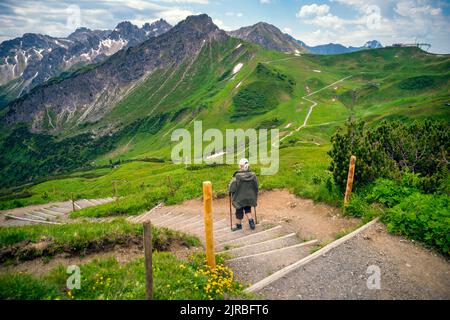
(237, 68)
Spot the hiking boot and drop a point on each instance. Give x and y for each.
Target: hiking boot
(237, 227)
(251, 222)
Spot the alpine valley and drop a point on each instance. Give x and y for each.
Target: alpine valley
(97, 97)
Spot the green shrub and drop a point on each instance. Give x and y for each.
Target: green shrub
(389, 192)
(357, 207)
(391, 148)
(422, 217)
(417, 83)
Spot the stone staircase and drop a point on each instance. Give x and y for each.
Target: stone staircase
(252, 254)
(52, 214)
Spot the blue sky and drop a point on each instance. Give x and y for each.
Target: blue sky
(350, 22)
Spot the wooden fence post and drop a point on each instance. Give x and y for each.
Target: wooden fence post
(148, 260)
(207, 202)
(73, 202)
(351, 174)
(114, 182)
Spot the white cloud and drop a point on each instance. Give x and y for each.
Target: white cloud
(401, 21)
(287, 30)
(184, 1)
(234, 14)
(264, 1)
(411, 8)
(313, 10)
(221, 24)
(175, 15)
(335, 22)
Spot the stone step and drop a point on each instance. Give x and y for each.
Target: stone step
(179, 224)
(163, 222)
(217, 232)
(53, 212)
(268, 262)
(59, 209)
(44, 215)
(95, 202)
(200, 228)
(159, 218)
(252, 238)
(149, 215)
(264, 246)
(165, 217)
(192, 225)
(90, 202)
(154, 215)
(77, 206)
(231, 235)
(29, 220)
(34, 216)
(83, 203)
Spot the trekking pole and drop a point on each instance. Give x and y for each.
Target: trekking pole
(256, 217)
(231, 218)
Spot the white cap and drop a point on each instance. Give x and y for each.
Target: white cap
(243, 164)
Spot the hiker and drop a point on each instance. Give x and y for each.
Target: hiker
(243, 189)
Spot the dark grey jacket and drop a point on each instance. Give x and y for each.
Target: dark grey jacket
(244, 189)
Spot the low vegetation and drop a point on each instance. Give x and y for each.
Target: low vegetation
(33, 241)
(262, 95)
(106, 279)
(391, 148)
(402, 174)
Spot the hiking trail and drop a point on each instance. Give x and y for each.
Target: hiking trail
(297, 252)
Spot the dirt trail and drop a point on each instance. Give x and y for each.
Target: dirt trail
(279, 207)
(407, 271)
(313, 105)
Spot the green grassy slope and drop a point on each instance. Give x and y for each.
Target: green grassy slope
(390, 83)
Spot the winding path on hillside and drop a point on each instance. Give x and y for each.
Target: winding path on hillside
(311, 108)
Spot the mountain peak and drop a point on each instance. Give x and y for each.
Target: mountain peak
(373, 44)
(126, 26)
(268, 36)
(157, 27)
(201, 23)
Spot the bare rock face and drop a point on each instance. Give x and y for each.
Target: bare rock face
(33, 59)
(269, 37)
(87, 96)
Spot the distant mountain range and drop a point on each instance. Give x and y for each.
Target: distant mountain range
(32, 59)
(87, 95)
(128, 104)
(335, 48)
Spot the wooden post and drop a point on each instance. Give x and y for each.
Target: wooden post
(351, 174)
(148, 260)
(73, 202)
(170, 184)
(207, 202)
(115, 188)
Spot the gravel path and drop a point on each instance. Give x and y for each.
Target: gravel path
(408, 271)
